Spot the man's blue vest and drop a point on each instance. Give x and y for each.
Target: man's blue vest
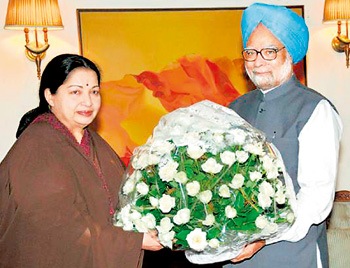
(282, 114)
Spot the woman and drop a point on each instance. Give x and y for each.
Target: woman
(59, 181)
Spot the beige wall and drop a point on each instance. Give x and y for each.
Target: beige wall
(326, 71)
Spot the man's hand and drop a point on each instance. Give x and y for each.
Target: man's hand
(249, 250)
(151, 242)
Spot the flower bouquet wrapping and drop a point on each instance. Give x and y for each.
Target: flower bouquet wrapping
(208, 182)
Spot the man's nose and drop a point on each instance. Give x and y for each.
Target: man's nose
(259, 59)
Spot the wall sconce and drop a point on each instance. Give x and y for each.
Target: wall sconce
(339, 11)
(31, 15)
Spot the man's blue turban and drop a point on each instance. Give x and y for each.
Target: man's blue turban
(288, 27)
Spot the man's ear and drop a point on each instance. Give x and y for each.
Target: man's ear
(48, 97)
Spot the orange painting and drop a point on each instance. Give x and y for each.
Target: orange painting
(155, 61)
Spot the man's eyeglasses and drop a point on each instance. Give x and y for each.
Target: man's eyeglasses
(251, 54)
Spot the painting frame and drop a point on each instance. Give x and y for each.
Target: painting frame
(128, 42)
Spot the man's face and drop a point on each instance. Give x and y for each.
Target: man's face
(263, 73)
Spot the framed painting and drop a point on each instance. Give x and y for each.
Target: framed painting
(155, 61)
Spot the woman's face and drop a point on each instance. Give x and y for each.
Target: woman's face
(77, 101)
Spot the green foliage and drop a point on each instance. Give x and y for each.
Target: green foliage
(243, 199)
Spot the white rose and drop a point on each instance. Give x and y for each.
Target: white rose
(182, 216)
(266, 188)
(242, 156)
(194, 151)
(149, 220)
(239, 136)
(267, 161)
(279, 185)
(135, 215)
(168, 171)
(290, 217)
(153, 159)
(136, 175)
(255, 175)
(166, 203)
(209, 220)
(224, 191)
(128, 186)
(264, 200)
(237, 181)
(140, 161)
(166, 239)
(142, 188)
(230, 212)
(140, 226)
(127, 225)
(181, 177)
(228, 158)
(193, 188)
(124, 212)
(154, 201)
(254, 148)
(272, 173)
(218, 139)
(214, 243)
(123, 219)
(165, 225)
(261, 221)
(197, 239)
(162, 147)
(211, 166)
(280, 197)
(205, 196)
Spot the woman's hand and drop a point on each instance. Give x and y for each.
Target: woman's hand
(249, 250)
(151, 241)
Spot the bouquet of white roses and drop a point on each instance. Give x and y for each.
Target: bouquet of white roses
(208, 182)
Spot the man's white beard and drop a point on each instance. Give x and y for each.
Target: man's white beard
(268, 82)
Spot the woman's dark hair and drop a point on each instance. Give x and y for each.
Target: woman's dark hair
(54, 75)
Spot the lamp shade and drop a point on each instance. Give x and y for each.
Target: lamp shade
(33, 13)
(335, 10)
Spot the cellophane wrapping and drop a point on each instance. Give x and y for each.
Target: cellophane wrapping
(208, 182)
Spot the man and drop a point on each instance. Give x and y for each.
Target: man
(303, 125)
